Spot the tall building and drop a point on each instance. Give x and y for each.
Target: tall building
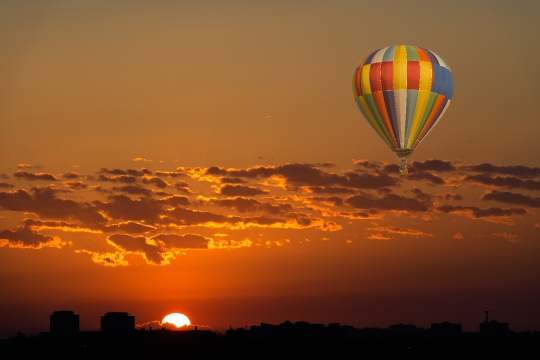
(63, 322)
(117, 321)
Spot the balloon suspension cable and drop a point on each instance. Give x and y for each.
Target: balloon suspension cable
(403, 155)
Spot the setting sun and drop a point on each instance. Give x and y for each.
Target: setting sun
(176, 319)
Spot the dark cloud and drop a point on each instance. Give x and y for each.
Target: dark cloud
(6, 185)
(134, 190)
(326, 164)
(44, 203)
(126, 179)
(4, 176)
(358, 214)
(235, 180)
(432, 165)
(419, 194)
(510, 182)
(478, 213)
(73, 175)
(519, 170)
(331, 190)
(155, 181)
(239, 190)
(450, 196)
(138, 244)
(23, 175)
(131, 172)
(25, 237)
(309, 175)
(124, 208)
(75, 185)
(388, 202)
(187, 241)
(424, 175)
(512, 198)
(243, 205)
(175, 201)
(173, 174)
(183, 187)
(367, 164)
(130, 227)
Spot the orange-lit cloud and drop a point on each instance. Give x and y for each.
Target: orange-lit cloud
(398, 231)
(497, 215)
(23, 175)
(513, 238)
(25, 237)
(512, 198)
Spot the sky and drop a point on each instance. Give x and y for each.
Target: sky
(208, 158)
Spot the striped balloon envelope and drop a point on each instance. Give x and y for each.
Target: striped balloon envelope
(403, 91)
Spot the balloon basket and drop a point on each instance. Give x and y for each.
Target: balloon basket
(403, 155)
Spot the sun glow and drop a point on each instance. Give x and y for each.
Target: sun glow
(176, 319)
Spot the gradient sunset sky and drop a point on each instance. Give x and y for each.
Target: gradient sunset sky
(208, 158)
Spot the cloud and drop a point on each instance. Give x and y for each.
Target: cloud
(126, 179)
(512, 198)
(240, 190)
(130, 227)
(111, 259)
(186, 241)
(131, 172)
(387, 202)
(148, 249)
(5, 185)
(155, 181)
(73, 175)
(377, 237)
(513, 238)
(234, 180)
(510, 182)
(172, 174)
(399, 231)
(367, 164)
(25, 237)
(450, 196)
(301, 175)
(424, 175)
(244, 205)
(432, 165)
(141, 159)
(419, 194)
(75, 185)
(458, 236)
(23, 175)
(156, 250)
(330, 190)
(134, 190)
(28, 166)
(331, 200)
(43, 202)
(496, 215)
(519, 170)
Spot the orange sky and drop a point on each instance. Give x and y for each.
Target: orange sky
(209, 158)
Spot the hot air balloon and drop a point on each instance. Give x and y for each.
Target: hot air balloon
(403, 91)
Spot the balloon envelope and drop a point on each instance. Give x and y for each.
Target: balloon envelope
(403, 91)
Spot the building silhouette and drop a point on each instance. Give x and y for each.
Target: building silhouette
(117, 322)
(445, 329)
(493, 329)
(64, 322)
